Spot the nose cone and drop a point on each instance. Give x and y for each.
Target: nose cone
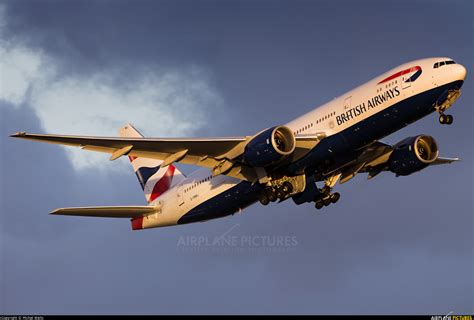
(461, 72)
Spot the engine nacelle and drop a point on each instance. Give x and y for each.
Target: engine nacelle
(270, 146)
(413, 154)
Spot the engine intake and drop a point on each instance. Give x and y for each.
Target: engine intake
(270, 146)
(413, 154)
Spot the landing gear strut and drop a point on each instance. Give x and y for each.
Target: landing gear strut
(445, 118)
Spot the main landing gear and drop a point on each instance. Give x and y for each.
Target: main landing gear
(445, 118)
(271, 194)
(324, 197)
(327, 198)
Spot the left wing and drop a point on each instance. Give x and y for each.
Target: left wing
(219, 154)
(373, 160)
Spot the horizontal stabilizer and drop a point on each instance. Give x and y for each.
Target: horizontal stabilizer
(107, 212)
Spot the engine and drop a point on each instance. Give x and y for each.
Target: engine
(413, 154)
(269, 147)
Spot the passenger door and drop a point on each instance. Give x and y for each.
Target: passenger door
(406, 82)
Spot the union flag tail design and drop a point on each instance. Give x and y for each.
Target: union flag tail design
(154, 179)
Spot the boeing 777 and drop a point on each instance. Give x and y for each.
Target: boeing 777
(330, 144)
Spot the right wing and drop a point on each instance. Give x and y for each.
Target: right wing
(107, 212)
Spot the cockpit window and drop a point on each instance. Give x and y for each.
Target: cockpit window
(442, 63)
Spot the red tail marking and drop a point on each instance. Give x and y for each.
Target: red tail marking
(163, 184)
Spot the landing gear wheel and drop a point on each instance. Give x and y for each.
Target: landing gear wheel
(449, 119)
(280, 194)
(335, 197)
(443, 119)
(287, 187)
(327, 201)
(264, 200)
(271, 195)
(319, 204)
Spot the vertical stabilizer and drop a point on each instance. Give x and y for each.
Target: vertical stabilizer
(153, 179)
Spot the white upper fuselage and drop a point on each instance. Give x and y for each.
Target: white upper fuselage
(331, 118)
(309, 123)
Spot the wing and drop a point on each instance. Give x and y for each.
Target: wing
(373, 160)
(441, 160)
(107, 212)
(219, 154)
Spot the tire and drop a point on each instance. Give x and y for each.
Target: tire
(319, 204)
(264, 200)
(335, 197)
(449, 119)
(271, 195)
(327, 201)
(280, 194)
(443, 119)
(287, 187)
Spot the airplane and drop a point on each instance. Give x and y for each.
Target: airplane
(329, 144)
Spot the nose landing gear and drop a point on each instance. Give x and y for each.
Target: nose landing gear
(445, 119)
(444, 102)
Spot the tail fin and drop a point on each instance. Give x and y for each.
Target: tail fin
(154, 179)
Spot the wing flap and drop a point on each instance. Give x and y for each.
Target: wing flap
(107, 211)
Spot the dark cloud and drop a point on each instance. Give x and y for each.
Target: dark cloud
(391, 245)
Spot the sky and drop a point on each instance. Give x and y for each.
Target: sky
(224, 68)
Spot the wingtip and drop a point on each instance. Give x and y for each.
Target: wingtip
(55, 211)
(18, 134)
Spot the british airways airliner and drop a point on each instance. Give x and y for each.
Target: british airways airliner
(330, 144)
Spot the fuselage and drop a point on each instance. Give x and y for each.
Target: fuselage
(355, 119)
